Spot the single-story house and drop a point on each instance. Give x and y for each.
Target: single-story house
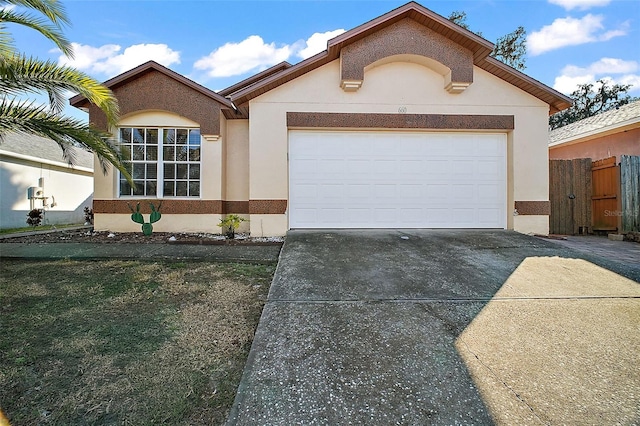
(402, 122)
(611, 134)
(28, 161)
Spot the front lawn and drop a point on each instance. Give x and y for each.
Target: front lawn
(125, 342)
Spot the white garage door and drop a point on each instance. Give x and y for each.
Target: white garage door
(396, 180)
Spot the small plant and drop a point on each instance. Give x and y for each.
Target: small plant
(34, 217)
(230, 224)
(136, 216)
(88, 216)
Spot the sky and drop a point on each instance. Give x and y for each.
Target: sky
(218, 43)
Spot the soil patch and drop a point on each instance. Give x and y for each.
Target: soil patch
(106, 237)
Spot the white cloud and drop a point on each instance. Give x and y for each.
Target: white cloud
(633, 80)
(110, 60)
(606, 65)
(318, 42)
(567, 84)
(571, 32)
(605, 68)
(250, 54)
(580, 4)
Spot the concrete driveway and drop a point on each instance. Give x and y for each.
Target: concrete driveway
(443, 327)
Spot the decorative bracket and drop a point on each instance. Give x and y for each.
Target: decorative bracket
(350, 85)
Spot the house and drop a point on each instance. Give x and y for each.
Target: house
(402, 122)
(28, 161)
(611, 134)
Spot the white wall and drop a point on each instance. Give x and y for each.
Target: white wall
(72, 189)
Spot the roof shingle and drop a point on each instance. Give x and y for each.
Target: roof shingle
(605, 120)
(43, 148)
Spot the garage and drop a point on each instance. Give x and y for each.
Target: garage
(393, 179)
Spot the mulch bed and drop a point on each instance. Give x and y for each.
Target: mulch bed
(106, 237)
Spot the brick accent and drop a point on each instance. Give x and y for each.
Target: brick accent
(169, 206)
(533, 208)
(399, 121)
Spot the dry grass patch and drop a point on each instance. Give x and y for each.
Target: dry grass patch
(121, 342)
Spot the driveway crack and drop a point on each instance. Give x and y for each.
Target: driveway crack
(505, 384)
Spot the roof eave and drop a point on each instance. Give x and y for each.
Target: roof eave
(80, 101)
(245, 95)
(556, 100)
(254, 79)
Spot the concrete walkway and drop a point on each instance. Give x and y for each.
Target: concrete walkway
(267, 254)
(443, 327)
(601, 246)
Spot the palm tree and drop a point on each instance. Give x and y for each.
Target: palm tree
(20, 75)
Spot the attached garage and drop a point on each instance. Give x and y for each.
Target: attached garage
(382, 179)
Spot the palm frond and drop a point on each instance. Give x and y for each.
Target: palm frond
(20, 74)
(7, 45)
(52, 32)
(52, 9)
(25, 117)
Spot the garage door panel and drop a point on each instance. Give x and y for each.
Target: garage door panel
(385, 216)
(386, 192)
(362, 192)
(304, 168)
(412, 216)
(436, 167)
(307, 216)
(463, 192)
(437, 217)
(304, 193)
(410, 193)
(489, 193)
(438, 191)
(488, 216)
(399, 179)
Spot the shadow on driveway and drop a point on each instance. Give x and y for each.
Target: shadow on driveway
(440, 327)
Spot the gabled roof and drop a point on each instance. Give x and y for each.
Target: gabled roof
(39, 149)
(479, 47)
(79, 101)
(613, 121)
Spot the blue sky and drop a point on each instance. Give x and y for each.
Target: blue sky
(218, 43)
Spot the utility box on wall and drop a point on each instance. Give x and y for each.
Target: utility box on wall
(34, 192)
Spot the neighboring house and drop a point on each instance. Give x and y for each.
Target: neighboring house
(403, 122)
(612, 133)
(24, 161)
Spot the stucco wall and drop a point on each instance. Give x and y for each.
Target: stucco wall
(211, 178)
(623, 143)
(72, 189)
(416, 89)
(237, 159)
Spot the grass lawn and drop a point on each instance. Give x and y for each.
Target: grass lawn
(37, 228)
(125, 342)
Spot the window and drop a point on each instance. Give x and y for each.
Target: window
(164, 162)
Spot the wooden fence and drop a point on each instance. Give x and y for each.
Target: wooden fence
(605, 178)
(598, 196)
(570, 196)
(630, 192)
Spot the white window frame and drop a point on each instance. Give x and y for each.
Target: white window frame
(160, 163)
